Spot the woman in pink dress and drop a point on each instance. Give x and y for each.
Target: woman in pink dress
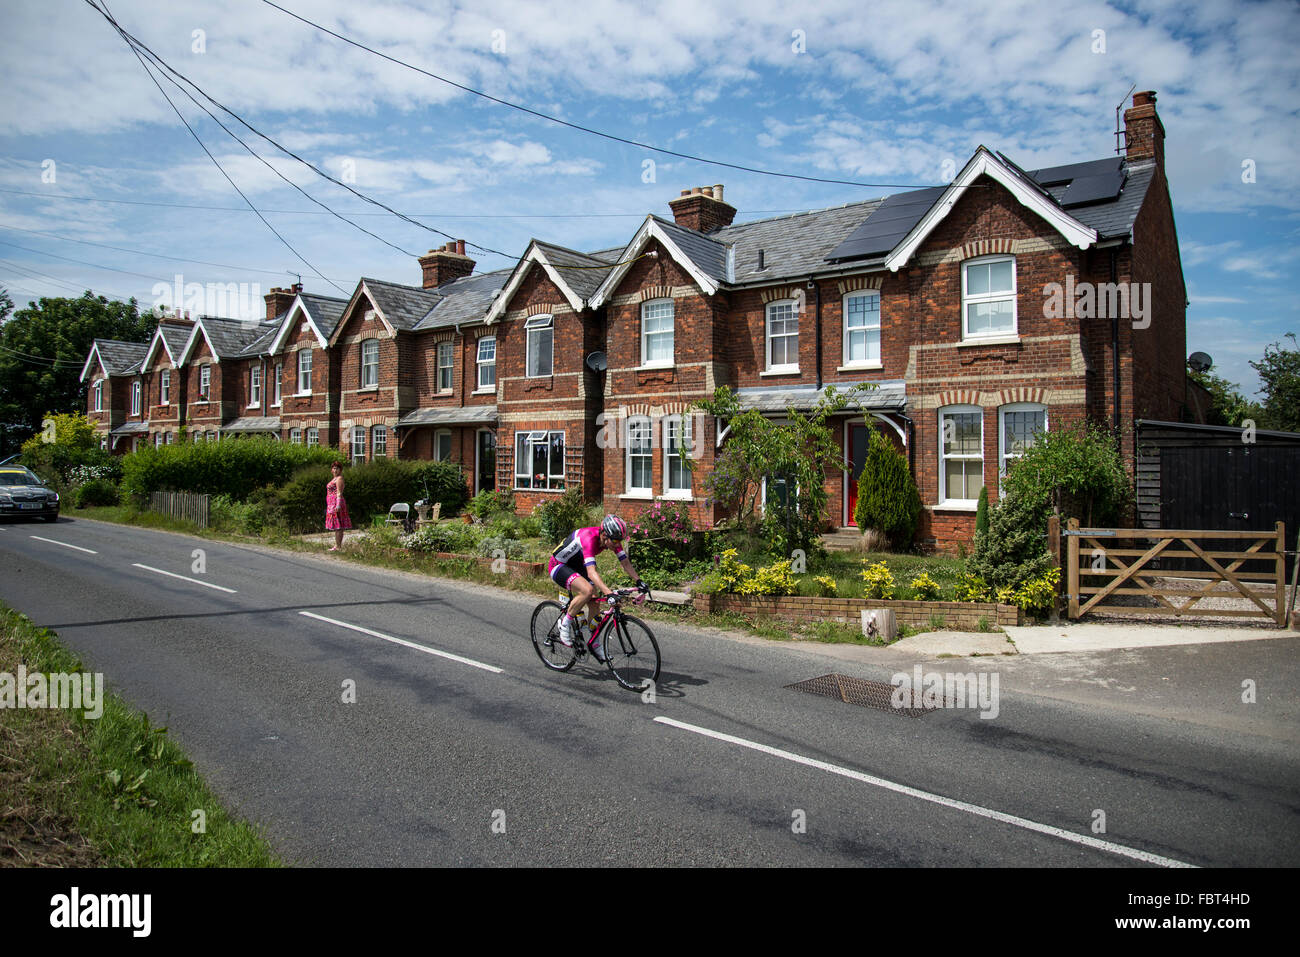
(336, 507)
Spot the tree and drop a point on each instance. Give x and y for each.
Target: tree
(799, 451)
(888, 500)
(1279, 372)
(42, 351)
(1227, 405)
(1077, 470)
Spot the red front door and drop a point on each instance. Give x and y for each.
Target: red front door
(857, 454)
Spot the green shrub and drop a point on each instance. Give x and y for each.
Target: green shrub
(982, 514)
(445, 482)
(774, 579)
(510, 548)
(925, 588)
(562, 515)
(529, 527)
(1037, 596)
(486, 505)
(443, 537)
(1078, 470)
(877, 580)
(1015, 548)
(888, 500)
(972, 588)
(234, 467)
(95, 492)
(731, 571)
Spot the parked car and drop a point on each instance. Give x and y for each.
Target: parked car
(23, 494)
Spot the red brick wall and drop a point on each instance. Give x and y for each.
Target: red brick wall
(317, 409)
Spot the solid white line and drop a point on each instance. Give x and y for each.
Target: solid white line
(936, 798)
(407, 644)
(185, 578)
(65, 545)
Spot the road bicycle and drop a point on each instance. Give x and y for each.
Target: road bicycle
(631, 652)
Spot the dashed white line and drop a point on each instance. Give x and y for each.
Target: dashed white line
(404, 643)
(88, 551)
(975, 809)
(186, 578)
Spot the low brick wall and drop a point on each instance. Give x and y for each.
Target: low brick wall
(957, 615)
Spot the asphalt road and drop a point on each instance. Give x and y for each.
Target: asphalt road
(492, 760)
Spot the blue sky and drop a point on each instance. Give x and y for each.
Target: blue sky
(889, 93)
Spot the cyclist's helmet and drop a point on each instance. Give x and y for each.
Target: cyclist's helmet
(614, 527)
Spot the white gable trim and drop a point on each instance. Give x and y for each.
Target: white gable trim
(153, 347)
(362, 290)
(650, 229)
(290, 320)
(985, 163)
(520, 273)
(94, 354)
(192, 341)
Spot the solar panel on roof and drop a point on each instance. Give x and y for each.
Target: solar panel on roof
(1103, 187)
(887, 225)
(1056, 175)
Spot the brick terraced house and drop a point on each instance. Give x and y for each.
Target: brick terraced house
(979, 313)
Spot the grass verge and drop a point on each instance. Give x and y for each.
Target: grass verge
(105, 792)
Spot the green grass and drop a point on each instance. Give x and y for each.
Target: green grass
(122, 788)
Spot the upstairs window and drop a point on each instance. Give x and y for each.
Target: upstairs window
(782, 337)
(446, 352)
(370, 364)
(487, 362)
(279, 378)
(255, 386)
(165, 387)
(205, 383)
(657, 332)
(304, 371)
(540, 346)
(988, 297)
(862, 328)
(99, 396)
(135, 397)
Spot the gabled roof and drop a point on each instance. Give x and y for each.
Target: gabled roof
(793, 245)
(115, 357)
(465, 300)
(706, 259)
(227, 338)
(400, 307)
(173, 339)
(577, 275)
(322, 314)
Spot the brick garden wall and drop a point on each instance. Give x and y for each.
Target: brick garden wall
(957, 615)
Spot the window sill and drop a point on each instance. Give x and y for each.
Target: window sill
(679, 497)
(859, 366)
(552, 491)
(956, 507)
(301, 395)
(253, 405)
(368, 388)
(489, 391)
(991, 341)
(653, 366)
(781, 370)
(638, 496)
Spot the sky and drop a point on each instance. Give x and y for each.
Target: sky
(100, 182)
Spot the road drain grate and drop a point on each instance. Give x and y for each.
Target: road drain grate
(858, 691)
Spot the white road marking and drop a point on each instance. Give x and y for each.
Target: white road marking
(65, 545)
(406, 644)
(976, 809)
(194, 581)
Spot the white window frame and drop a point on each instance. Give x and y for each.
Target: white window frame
(1006, 455)
(165, 387)
(279, 383)
(304, 371)
(767, 335)
(670, 332)
(968, 299)
(255, 385)
(526, 440)
(99, 395)
(313, 436)
(370, 364)
(487, 366)
(171, 439)
(643, 426)
(446, 363)
(438, 436)
(295, 436)
(358, 444)
(157, 440)
(205, 383)
(535, 326)
(136, 392)
(763, 494)
(943, 500)
(846, 353)
(378, 441)
(682, 425)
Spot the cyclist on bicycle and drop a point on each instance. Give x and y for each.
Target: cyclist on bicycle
(573, 568)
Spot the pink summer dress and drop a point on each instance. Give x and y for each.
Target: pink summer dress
(335, 520)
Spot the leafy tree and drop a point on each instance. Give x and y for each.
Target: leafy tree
(1227, 405)
(43, 349)
(1077, 470)
(800, 450)
(888, 500)
(1279, 371)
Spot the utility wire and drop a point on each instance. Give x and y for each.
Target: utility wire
(204, 147)
(578, 127)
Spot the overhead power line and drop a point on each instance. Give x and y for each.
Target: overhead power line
(584, 129)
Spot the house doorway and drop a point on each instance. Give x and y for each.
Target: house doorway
(855, 452)
(485, 469)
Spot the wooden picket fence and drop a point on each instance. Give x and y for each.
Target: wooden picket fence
(187, 506)
(1095, 554)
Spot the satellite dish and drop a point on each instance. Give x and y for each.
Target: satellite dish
(1199, 361)
(596, 362)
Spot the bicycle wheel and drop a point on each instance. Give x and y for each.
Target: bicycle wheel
(546, 637)
(633, 653)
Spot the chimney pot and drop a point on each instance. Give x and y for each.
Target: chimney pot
(460, 247)
(707, 190)
(717, 191)
(686, 192)
(701, 208)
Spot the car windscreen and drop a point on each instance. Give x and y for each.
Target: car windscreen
(17, 478)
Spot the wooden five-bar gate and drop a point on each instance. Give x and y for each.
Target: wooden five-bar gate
(1095, 555)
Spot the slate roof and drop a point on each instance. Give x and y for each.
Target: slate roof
(576, 268)
(121, 358)
(326, 311)
(129, 428)
(402, 306)
(890, 396)
(463, 300)
(253, 423)
(709, 253)
(230, 338)
(174, 337)
(468, 415)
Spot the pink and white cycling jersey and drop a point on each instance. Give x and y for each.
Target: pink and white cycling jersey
(581, 548)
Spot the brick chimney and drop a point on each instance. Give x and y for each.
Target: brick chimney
(1144, 134)
(702, 209)
(279, 300)
(445, 264)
